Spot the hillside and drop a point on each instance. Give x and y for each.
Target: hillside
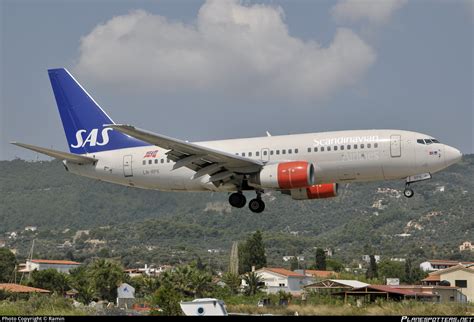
(143, 225)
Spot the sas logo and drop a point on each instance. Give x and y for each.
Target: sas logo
(92, 138)
(151, 154)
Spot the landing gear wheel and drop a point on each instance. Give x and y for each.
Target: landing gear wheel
(256, 205)
(237, 200)
(408, 192)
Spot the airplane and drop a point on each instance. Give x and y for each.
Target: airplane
(303, 166)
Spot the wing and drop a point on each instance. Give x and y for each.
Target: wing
(75, 158)
(222, 167)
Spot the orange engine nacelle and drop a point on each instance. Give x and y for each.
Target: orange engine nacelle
(285, 175)
(317, 191)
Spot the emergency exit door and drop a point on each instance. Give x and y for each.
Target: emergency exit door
(395, 146)
(127, 166)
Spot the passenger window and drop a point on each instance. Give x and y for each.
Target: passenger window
(271, 152)
(296, 151)
(283, 151)
(150, 161)
(329, 148)
(257, 154)
(144, 162)
(167, 160)
(277, 152)
(264, 152)
(342, 147)
(243, 154)
(361, 146)
(162, 160)
(348, 147)
(236, 154)
(250, 154)
(290, 151)
(322, 149)
(309, 149)
(316, 150)
(156, 160)
(335, 148)
(376, 145)
(355, 146)
(368, 145)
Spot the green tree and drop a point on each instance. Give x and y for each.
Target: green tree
(106, 276)
(388, 269)
(7, 264)
(320, 259)
(252, 253)
(167, 298)
(253, 283)
(50, 279)
(81, 281)
(413, 274)
(334, 265)
(232, 281)
(372, 270)
(294, 263)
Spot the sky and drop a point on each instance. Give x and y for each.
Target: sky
(217, 69)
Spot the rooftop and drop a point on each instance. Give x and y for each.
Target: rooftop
(17, 288)
(53, 261)
(281, 271)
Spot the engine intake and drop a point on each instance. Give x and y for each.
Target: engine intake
(285, 175)
(317, 191)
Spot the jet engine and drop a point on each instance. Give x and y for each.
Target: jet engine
(284, 175)
(317, 191)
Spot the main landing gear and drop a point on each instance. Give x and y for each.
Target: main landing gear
(238, 200)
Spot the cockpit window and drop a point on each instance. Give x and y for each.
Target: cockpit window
(420, 141)
(428, 141)
(434, 141)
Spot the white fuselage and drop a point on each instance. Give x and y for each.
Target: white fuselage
(342, 156)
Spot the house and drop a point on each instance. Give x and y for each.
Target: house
(17, 288)
(125, 296)
(460, 276)
(288, 258)
(280, 279)
(436, 264)
(329, 286)
(147, 270)
(62, 266)
(31, 228)
(467, 245)
(366, 258)
(313, 274)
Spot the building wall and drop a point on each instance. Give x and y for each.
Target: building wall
(461, 275)
(42, 266)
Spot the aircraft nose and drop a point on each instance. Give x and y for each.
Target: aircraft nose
(451, 155)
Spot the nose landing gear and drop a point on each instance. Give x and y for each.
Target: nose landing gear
(408, 192)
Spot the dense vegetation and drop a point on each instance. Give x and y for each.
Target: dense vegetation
(141, 226)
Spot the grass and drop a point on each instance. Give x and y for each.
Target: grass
(380, 308)
(40, 305)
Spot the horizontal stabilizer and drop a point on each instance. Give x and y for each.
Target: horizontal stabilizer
(75, 158)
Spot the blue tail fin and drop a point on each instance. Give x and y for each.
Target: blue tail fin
(83, 119)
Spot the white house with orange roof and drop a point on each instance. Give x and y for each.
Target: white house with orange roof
(437, 264)
(460, 276)
(62, 266)
(280, 279)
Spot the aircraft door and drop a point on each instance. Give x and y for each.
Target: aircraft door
(265, 154)
(127, 166)
(395, 146)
